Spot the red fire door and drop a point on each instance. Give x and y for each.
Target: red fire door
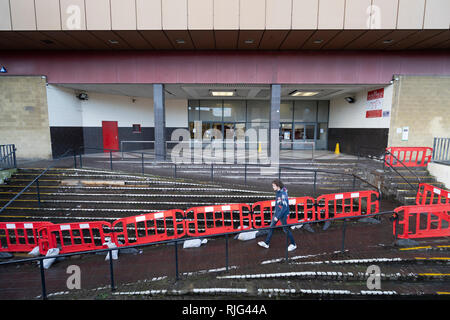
(110, 135)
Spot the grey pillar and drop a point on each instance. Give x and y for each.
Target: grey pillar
(160, 121)
(275, 100)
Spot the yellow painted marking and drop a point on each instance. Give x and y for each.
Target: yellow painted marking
(39, 180)
(16, 216)
(434, 274)
(443, 246)
(442, 292)
(432, 258)
(415, 248)
(25, 193)
(20, 200)
(17, 208)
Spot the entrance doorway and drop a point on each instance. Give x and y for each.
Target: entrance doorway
(110, 135)
(304, 132)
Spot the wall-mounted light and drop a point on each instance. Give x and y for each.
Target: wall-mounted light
(180, 41)
(350, 99)
(297, 93)
(113, 41)
(83, 96)
(3, 70)
(249, 41)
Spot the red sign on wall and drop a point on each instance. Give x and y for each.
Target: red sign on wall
(374, 114)
(375, 94)
(375, 103)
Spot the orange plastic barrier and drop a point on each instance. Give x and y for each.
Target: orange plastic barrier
(150, 227)
(218, 219)
(19, 236)
(428, 194)
(347, 204)
(74, 237)
(301, 209)
(422, 221)
(409, 156)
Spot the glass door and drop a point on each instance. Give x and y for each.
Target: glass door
(304, 132)
(286, 136)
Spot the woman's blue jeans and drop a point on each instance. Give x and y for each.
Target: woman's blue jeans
(285, 229)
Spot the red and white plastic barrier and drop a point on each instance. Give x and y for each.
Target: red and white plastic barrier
(20, 236)
(347, 204)
(422, 221)
(216, 219)
(150, 227)
(428, 194)
(209, 220)
(303, 211)
(74, 237)
(409, 156)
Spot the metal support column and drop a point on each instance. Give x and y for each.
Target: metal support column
(160, 121)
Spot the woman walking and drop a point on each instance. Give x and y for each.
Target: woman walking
(281, 213)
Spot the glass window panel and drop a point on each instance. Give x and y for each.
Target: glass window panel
(193, 108)
(323, 111)
(210, 110)
(286, 111)
(258, 110)
(305, 110)
(322, 131)
(234, 110)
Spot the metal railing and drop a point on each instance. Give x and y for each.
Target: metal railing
(176, 241)
(213, 167)
(441, 150)
(374, 154)
(8, 156)
(36, 182)
(396, 171)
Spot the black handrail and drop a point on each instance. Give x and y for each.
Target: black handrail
(382, 157)
(35, 180)
(315, 171)
(399, 161)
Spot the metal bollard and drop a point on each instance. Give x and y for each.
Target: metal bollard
(343, 236)
(176, 261)
(38, 193)
(44, 290)
(111, 270)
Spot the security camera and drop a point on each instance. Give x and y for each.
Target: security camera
(83, 96)
(350, 99)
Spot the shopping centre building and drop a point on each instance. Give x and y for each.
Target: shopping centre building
(103, 73)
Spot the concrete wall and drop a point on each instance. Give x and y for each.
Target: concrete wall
(421, 103)
(66, 110)
(441, 172)
(349, 126)
(353, 115)
(24, 116)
